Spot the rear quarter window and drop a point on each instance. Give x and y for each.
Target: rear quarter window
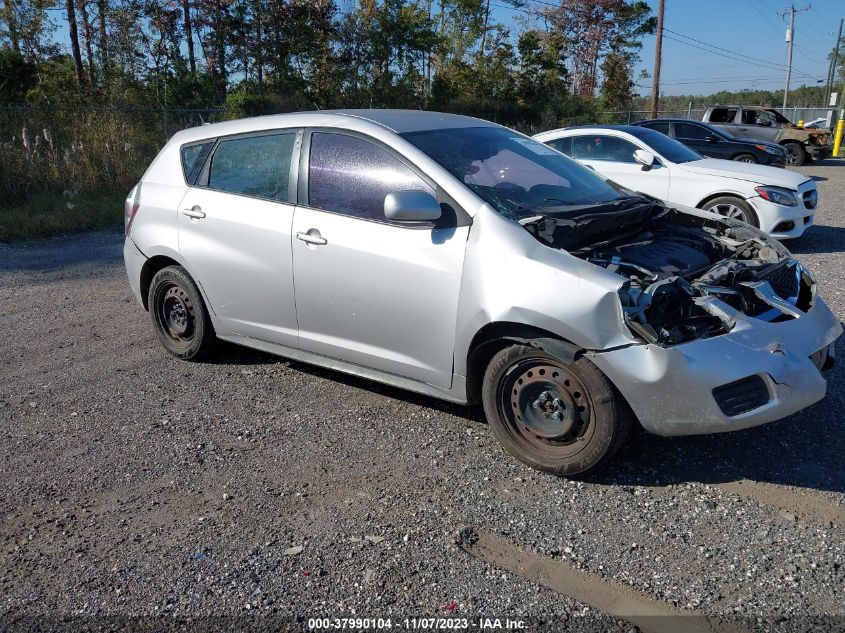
(193, 158)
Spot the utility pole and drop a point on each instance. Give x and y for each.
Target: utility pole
(658, 53)
(834, 61)
(790, 38)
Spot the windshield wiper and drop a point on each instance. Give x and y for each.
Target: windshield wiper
(568, 208)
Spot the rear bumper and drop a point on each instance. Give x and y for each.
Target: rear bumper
(671, 389)
(134, 261)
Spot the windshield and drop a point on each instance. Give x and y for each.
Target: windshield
(666, 146)
(518, 176)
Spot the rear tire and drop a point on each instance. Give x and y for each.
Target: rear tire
(179, 315)
(796, 155)
(745, 158)
(564, 419)
(734, 208)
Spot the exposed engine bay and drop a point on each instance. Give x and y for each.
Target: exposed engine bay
(687, 276)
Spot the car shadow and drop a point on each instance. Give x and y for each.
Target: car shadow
(804, 450)
(818, 178)
(227, 353)
(828, 162)
(819, 239)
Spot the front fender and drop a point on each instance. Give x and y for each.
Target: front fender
(511, 277)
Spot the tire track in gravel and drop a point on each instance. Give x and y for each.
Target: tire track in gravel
(613, 599)
(810, 505)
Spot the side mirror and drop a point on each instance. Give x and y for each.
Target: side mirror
(411, 206)
(644, 158)
(711, 138)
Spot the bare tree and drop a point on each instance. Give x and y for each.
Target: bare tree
(189, 35)
(74, 41)
(11, 24)
(88, 37)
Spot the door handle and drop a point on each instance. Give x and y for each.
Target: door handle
(195, 213)
(308, 238)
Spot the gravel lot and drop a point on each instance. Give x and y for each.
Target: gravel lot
(248, 491)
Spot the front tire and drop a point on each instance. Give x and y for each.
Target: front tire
(796, 155)
(564, 419)
(179, 315)
(734, 208)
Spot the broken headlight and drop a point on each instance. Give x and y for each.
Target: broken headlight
(665, 312)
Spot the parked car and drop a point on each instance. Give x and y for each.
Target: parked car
(767, 124)
(780, 202)
(456, 258)
(710, 141)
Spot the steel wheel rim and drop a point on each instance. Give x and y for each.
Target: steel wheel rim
(176, 315)
(729, 210)
(746, 160)
(546, 408)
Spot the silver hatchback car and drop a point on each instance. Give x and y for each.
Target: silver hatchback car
(456, 258)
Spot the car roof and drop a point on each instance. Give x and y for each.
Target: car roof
(747, 107)
(397, 121)
(630, 129)
(674, 120)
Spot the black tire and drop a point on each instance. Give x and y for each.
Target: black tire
(745, 158)
(524, 388)
(796, 155)
(179, 315)
(733, 207)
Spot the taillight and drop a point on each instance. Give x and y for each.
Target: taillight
(130, 207)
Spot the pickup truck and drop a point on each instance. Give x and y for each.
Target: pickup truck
(767, 124)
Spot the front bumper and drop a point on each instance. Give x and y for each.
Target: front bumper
(819, 152)
(134, 261)
(780, 221)
(671, 389)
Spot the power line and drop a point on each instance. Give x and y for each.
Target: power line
(725, 50)
(764, 16)
(766, 65)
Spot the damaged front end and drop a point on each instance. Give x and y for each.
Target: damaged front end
(688, 275)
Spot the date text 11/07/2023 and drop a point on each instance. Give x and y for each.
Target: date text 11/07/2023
(416, 624)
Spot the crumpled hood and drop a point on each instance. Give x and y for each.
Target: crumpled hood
(760, 174)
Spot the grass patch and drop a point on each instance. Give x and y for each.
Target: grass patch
(52, 213)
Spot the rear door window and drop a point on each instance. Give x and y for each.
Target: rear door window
(722, 115)
(600, 147)
(660, 126)
(563, 145)
(691, 132)
(257, 166)
(352, 176)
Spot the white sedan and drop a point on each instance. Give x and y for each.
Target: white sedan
(780, 202)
